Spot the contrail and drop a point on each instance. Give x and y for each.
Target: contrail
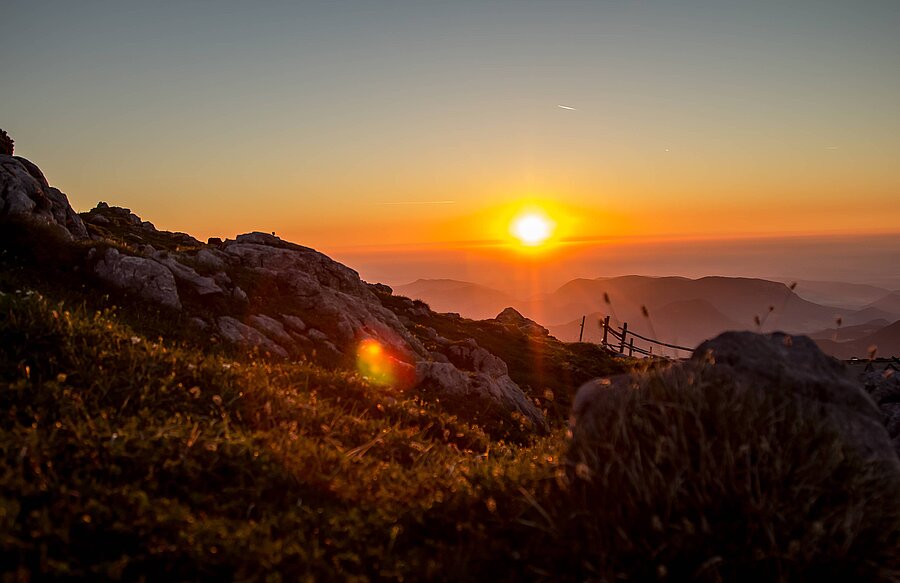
(420, 202)
(566, 107)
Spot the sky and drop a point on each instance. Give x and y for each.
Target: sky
(402, 137)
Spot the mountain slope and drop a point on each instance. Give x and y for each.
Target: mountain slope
(838, 294)
(886, 342)
(889, 303)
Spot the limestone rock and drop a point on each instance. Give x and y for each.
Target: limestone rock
(186, 275)
(260, 291)
(272, 328)
(333, 292)
(293, 323)
(25, 194)
(210, 259)
(446, 378)
(237, 332)
(510, 318)
(469, 356)
(794, 363)
(143, 277)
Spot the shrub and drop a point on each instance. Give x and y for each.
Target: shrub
(6, 143)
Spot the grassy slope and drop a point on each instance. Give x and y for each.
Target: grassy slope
(125, 454)
(129, 451)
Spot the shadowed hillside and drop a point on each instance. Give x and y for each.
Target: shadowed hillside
(251, 410)
(681, 311)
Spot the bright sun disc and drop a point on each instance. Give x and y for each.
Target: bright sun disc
(531, 228)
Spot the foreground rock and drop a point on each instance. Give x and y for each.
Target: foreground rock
(778, 364)
(884, 388)
(759, 446)
(475, 372)
(25, 194)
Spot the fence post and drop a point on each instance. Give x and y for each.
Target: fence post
(581, 333)
(605, 329)
(624, 334)
(631, 347)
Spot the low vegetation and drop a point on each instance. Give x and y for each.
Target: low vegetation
(686, 475)
(127, 456)
(132, 451)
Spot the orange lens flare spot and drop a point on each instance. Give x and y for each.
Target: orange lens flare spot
(374, 363)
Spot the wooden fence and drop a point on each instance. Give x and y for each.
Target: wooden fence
(620, 339)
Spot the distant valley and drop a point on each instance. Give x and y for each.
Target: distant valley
(845, 319)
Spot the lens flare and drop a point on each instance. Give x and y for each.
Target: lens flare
(374, 362)
(385, 364)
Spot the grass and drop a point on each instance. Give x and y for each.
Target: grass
(705, 479)
(125, 457)
(131, 451)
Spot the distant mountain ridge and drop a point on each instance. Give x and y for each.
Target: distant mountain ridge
(840, 294)
(449, 295)
(681, 310)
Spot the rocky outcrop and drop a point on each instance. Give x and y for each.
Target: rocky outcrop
(468, 369)
(237, 332)
(201, 285)
(778, 364)
(295, 300)
(510, 318)
(340, 304)
(140, 276)
(26, 195)
(755, 443)
(261, 292)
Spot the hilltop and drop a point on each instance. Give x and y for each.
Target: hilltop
(250, 409)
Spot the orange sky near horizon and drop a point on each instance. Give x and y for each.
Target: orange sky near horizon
(396, 126)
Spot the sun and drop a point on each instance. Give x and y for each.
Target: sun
(532, 228)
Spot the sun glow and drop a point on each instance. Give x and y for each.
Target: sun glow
(532, 227)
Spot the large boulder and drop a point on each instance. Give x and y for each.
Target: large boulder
(787, 362)
(795, 364)
(25, 194)
(341, 305)
(446, 379)
(758, 459)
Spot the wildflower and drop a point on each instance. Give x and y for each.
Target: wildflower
(135, 340)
